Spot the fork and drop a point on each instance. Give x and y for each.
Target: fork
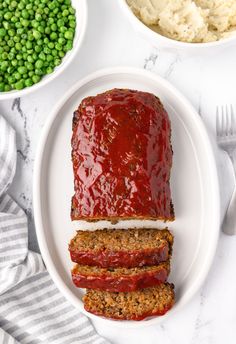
(226, 139)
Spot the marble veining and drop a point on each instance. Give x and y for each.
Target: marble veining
(206, 81)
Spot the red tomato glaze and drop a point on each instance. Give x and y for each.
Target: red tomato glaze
(122, 156)
(123, 283)
(127, 259)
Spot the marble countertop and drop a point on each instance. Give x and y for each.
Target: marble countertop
(206, 81)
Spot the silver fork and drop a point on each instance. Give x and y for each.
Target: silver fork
(226, 139)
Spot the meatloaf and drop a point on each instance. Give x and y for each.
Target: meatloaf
(127, 248)
(135, 305)
(119, 279)
(122, 157)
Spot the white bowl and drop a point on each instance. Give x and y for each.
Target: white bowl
(81, 23)
(194, 186)
(166, 43)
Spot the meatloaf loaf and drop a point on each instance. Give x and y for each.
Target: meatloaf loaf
(135, 305)
(119, 279)
(122, 157)
(121, 247)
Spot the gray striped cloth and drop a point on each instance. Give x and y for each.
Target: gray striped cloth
(32, 310)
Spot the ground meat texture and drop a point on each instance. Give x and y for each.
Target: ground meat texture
(121, 247)
(119, 279)
(122, 157)
(135, 305)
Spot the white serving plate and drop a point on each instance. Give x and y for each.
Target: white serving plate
(81, 12)
(194, 187)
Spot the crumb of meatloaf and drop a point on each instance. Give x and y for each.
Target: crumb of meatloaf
(133, 305)
(113, 272)
(121, 239)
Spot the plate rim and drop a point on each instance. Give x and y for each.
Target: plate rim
(37, 194)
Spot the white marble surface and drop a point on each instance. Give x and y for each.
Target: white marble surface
(206, 81)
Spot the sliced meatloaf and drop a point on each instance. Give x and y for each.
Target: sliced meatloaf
(135, 305)
(119, 279)
(122, 158)
(121, 247)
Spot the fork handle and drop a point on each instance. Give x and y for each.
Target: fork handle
(229, 224)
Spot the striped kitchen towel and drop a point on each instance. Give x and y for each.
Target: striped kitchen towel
(32, 310)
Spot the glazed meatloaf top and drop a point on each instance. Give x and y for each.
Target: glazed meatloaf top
(122, 156)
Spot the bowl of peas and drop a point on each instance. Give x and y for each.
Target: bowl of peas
(38, 39)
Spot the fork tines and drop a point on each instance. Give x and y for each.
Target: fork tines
(225, 121)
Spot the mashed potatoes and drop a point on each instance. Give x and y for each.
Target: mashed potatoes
(186, 20)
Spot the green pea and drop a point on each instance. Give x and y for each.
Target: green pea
(14, 63)
(65, 13)
(36, 34)
(57, 62)
(72, 24)
(13, 4)
(54, 27)
(6, 25)
(50, 45)
(54, 52)
(7, 88)
(58, 46)
(16, 39)
(10, 43)
(3, 32)
(28, 82)
(49, 70)
(22, 70)
(53, 36)
(42, 56)
(11, 79)
(35, 78)
(68, 35)
(19, 85)
(19, 57)
(39, 64)
(18, 46)
(7, 15)
(11, 56)
(25, 14)
(17, 75)
(11, 32)
(25, 22)
(29, 66)
(61, 40)
(47, 30)
(28, 45)
(4, 65)
(61, 53)
(4, 56)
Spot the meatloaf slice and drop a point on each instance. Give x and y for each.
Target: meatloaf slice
(119, 279)
(122, 158)
(135, 305)
(121, 247)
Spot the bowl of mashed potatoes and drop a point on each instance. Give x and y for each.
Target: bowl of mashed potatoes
(184, 24)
